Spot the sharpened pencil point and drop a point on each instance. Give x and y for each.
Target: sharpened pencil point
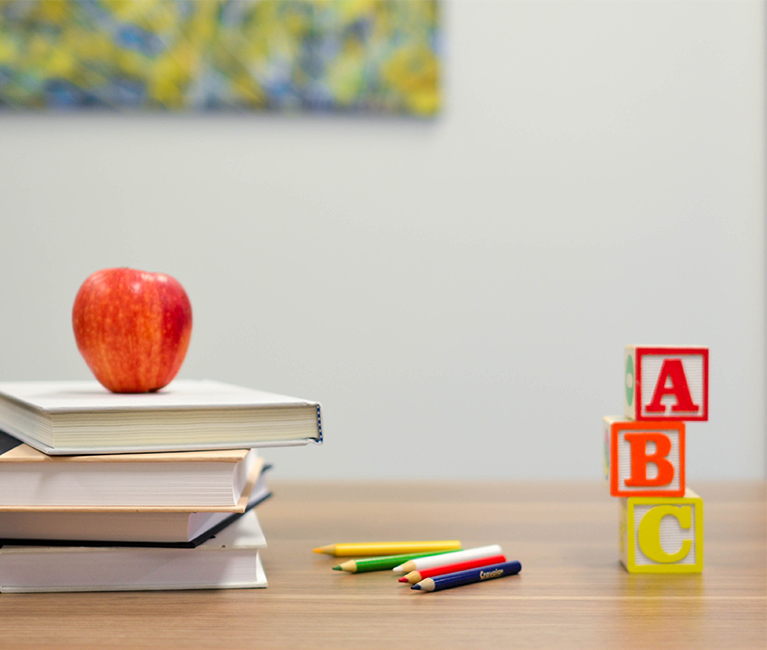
(416, 587)
(338, 568)
(403, 579)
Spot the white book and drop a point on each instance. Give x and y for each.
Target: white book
(119, 527)
(83, 417)
(230, 560)
(210, 480)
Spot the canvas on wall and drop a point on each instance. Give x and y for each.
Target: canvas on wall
(279, 55)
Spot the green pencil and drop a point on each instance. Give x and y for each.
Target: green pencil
(383, 563)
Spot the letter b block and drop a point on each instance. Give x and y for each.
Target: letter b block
(666, 383)
(662, 535)
(644, 458)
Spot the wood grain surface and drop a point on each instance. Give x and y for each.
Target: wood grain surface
(572, 592)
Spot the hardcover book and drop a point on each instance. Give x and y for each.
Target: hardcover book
(121, 526)
(230, 560)
(192, 480)
(83, 417)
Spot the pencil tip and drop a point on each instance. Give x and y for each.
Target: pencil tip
(403, 579)
(416, 587)
(338, 568)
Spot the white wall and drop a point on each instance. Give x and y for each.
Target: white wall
(457, 293)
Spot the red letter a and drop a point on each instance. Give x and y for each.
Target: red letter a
(672, 369)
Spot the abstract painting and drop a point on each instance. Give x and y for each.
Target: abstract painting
(174, 55)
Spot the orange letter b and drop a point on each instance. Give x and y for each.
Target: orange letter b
(640, 459)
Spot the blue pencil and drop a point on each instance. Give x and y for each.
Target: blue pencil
(459, 578)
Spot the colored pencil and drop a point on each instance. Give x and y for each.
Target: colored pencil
(417, 576)
(460, 556)
(461, 578)
(389, 548)
(383, 563)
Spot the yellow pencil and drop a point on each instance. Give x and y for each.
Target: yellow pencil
(388, 548)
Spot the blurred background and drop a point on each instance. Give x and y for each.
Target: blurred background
(442, 220)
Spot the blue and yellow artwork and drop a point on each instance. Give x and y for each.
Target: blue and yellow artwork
(279, 55)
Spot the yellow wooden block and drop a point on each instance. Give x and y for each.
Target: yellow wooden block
(662, 534)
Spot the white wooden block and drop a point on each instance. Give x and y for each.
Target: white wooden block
(666, 383)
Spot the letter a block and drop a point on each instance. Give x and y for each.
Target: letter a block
(666, 383)
(662, 535)
(644, 458)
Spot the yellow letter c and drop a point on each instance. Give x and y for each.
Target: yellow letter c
(649, 532)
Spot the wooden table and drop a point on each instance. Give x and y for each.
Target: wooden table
(571, 593)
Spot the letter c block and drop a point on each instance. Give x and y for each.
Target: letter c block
(662, 535)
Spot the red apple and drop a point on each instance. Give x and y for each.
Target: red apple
(132, 328)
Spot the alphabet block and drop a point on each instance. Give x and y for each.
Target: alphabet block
(644, 458)
(662, 535)
(666, 383)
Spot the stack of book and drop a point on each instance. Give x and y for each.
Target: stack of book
(105, 492)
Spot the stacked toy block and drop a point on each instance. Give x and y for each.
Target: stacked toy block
(661, 519)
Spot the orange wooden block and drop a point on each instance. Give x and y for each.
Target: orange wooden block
(666, 383)
(645, 458)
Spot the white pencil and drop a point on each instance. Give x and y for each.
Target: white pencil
(431, 561)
